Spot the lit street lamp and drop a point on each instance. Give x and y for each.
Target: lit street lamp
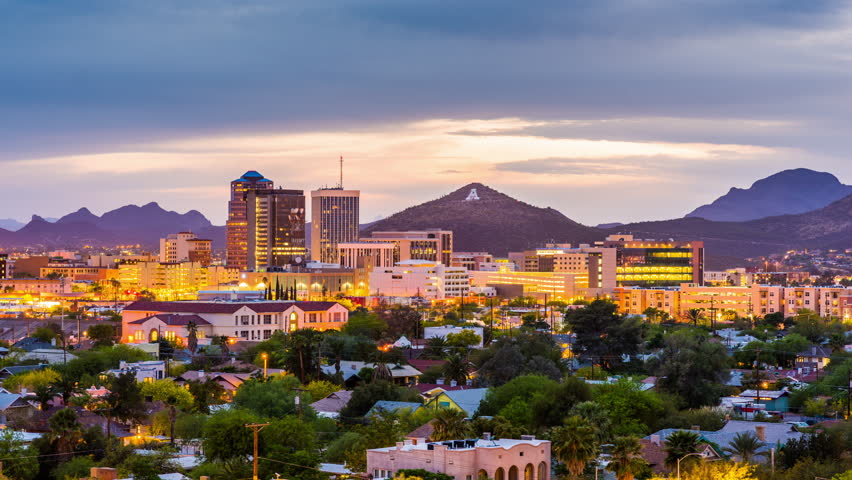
(681, 458)
(265, 358)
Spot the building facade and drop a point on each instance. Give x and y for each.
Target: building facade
(237, 224)
(498, 459)
(420, 278)
(145, 322)
(334, 220)
(276, 228)
(556, 285)
(434, 245)
(184, 247)
(651, 263)
(365, 254)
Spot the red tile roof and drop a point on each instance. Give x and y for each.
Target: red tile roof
(173, 320)
(225, 307)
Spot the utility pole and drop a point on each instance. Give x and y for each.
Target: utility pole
(757, 377)
(298, 400)
(256, 427)
(491, 309)
(849, 394)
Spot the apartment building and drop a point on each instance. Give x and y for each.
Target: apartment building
(420, 278)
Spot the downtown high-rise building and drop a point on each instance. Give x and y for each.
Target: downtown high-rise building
(275, 221)
(237, 225)
(334, 220)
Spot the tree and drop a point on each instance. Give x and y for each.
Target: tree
(206, 393)
(65, 432)
(19, 461)
(598, 416)
(366, 395)
(435, 348)
(192, 336)
(604, 336)
(632, 410)
(719, 471)
(124, 402)
(745, 445)
(165, 389)
(66, 385)
(464, 339)
(574, 444)
(626, 461)
(273, 398)
(102, 334)
(319, 389)
(300, 357)
(678, 445)
(44, 334)
(363, 323)
(456, 369)
(693, 368)
(449, 424)
(695, 315)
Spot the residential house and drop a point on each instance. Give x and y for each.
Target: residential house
(815, 357)
(498, 459)
(15, 409)
(230, 382)
(771, 400)
(350, 370)
(7, 372)
(331, 405)
(465, 400)
(143, 371)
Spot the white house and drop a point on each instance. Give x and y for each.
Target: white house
(143, 371)
(145, 322)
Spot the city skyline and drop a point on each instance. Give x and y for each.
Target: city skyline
(561, 105)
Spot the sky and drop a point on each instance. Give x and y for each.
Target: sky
(609, 111)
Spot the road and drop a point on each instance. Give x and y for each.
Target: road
(14, 329)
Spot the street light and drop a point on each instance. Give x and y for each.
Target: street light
(681, 458)
(265, 357)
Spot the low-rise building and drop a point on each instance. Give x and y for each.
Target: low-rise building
(143, 371)
(498, 459)
(144, 322)
(420, 278)
(52, 286)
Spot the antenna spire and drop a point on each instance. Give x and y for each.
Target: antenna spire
(341, 172)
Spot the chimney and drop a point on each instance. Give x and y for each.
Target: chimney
(439, 381)
(528, 437)
(122, 364)
(24, 392)
(655, 439)
(399, 445)
(453, 383)
(486, 435)
(727, 417)
(760, 431)
(696, 428)
(201, 375)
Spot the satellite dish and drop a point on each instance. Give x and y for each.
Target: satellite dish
(298, 259)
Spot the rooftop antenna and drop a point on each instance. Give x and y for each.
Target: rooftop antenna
(341, 172)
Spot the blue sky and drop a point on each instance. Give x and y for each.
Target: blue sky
(606, 110)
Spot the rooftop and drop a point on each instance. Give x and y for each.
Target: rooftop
(504, 443)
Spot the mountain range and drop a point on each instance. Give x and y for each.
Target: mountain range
(788, 192)
(130, 224)
(492, 222)
(815, 212)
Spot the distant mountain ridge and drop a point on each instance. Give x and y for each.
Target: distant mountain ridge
(493, 222)
(130, 224)
(825, 228)
(787, 192)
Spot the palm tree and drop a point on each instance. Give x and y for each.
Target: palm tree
(695, 315)
(435, 348)
(456, 369)
(745, 445)
(43, 395)
(598, 416)
(575, 444)
(192, 336)
(449, 424)
(678, 445)
(626, 461)
(65, 431)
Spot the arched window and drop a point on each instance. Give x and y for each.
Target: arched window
(529, 472)
(500, 474)
(542, 471)
(482, 475)
(154, 336)
(513, 473)
(294, 321)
